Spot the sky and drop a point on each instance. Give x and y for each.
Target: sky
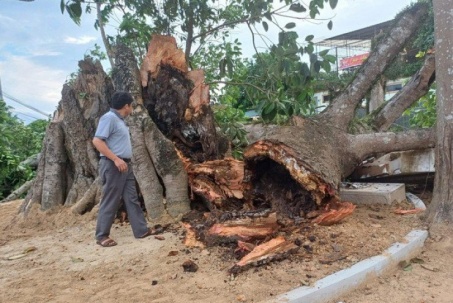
(40, 47)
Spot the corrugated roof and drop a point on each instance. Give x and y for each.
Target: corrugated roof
(360, 37)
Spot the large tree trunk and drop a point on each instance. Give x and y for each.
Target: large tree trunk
(154, 151)
(178, 101)
(289, 173)
(68, 165)
(441, 208)
(67, 173)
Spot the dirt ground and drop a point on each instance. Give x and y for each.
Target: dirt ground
(52, 257)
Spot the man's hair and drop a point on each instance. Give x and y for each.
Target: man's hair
(120, 99)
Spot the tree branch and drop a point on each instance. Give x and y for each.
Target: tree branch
(366, 145)
(107, 45)
(18, 192)
(341, 111)
(253, 39)
(241, 83)
(244, 19)
(189, 39)
(417, 87)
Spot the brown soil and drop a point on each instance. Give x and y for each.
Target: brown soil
(52, 257)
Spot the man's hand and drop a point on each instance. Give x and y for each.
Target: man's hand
(121, 165)
(102, 147)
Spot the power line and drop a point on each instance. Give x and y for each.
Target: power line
(26, 105)
(24, 114)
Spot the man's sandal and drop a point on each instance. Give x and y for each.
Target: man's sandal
(149, 232)
(107, 242)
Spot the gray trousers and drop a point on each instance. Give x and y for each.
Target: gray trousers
(117, 185)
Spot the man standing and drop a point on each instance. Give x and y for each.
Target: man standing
(113, 141)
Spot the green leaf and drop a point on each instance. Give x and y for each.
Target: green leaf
(271, 115)
(298, 8)
(326, 66)
(75, 12)
(309, 38)
(268, 16)
(222, 64)
(266, 27)
(330, 58)
(313, 58)
(301, 51)
(230, 68)
(305, 70)
(333, 3)
(76, 9)
(268, 108)
(62, 6)
(323, 53)
(310, 48)
(290, 25)
(313, 12)
(329, 25)
(317, 66)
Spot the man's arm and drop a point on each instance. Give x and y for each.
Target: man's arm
(102, 147)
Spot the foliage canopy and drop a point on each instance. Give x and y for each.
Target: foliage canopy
(17, 142)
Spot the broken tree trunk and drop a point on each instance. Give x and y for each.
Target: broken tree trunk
(67, 172)
(290, 175)
(178, 101)
(155, 157)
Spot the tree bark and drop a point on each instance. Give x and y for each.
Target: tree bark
(441, 207)
(89, 199)
(107, 45)
(54, 186)
(377, 94)
(417, 87)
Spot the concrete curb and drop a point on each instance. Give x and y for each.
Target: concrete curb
(347, 280)
(416, 201)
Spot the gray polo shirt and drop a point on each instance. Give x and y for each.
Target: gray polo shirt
(114, 131)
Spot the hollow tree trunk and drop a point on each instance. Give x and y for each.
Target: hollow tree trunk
(289, 175)
(178, 101)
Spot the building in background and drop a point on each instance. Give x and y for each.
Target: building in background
(351, 50)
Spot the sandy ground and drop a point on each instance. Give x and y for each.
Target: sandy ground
(52, 257)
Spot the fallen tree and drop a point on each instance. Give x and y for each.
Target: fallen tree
(290, 174)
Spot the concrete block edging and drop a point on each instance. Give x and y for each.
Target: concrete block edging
(347, 280)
